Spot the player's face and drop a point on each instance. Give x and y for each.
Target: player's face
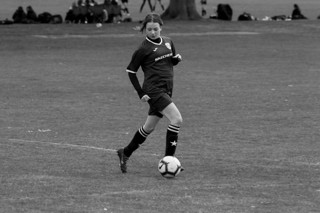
(153, 30)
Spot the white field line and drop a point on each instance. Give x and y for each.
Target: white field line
(69, 145)
(62, 145)
(85, 36)
(132, 192)
(66, 36)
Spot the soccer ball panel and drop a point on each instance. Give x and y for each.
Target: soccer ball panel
(169, 166)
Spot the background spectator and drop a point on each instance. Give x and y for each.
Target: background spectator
(143, 3)
(161, 5)
(296, 13)
(203, 7)
(125, 7)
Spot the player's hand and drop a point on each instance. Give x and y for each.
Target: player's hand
(178, 56)
(145, 98)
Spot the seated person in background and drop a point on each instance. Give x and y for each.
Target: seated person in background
(214, 14)
(107, 2)
(81, 3)
(203, 7)
(280, 18)
(246, 17)
(70, 17)
(296, 13)
(89, 3)
(114, 2)
(125, 7)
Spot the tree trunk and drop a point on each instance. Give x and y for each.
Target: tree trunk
(181, 9)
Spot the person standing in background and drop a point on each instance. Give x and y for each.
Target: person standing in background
(203, 7)
(143, 3)
(155, 4)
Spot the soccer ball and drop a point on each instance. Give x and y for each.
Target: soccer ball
(169, 167)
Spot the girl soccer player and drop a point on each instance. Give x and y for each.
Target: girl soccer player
(156, 56)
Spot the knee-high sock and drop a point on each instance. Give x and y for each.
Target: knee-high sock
(136, 141)
(171, 140)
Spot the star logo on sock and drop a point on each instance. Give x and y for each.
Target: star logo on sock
(174, 143)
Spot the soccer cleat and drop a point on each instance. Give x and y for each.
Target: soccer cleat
(123, 160)
(181, 169)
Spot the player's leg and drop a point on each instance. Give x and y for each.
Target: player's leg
(141, 134)
(142, 5)
(139, 137)
(174, 115)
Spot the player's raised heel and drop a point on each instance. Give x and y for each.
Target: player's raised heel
(123, 160)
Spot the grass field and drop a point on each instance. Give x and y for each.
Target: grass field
(249, 93)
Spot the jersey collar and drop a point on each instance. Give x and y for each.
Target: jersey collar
(154, 42)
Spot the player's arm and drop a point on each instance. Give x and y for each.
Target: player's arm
(176, 58)
(135, 82)
(132, 68)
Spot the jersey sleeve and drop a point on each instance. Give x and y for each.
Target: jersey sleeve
(173, 49)
(136, 61)
(175, 61)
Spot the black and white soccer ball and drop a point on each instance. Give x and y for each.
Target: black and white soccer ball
(169, 166)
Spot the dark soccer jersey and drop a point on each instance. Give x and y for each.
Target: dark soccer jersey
(155, 60)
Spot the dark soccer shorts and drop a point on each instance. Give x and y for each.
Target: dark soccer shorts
(159, 104)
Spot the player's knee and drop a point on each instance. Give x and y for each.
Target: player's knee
(148, 129)
(177, 121)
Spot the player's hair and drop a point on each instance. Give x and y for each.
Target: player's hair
(153, 18)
